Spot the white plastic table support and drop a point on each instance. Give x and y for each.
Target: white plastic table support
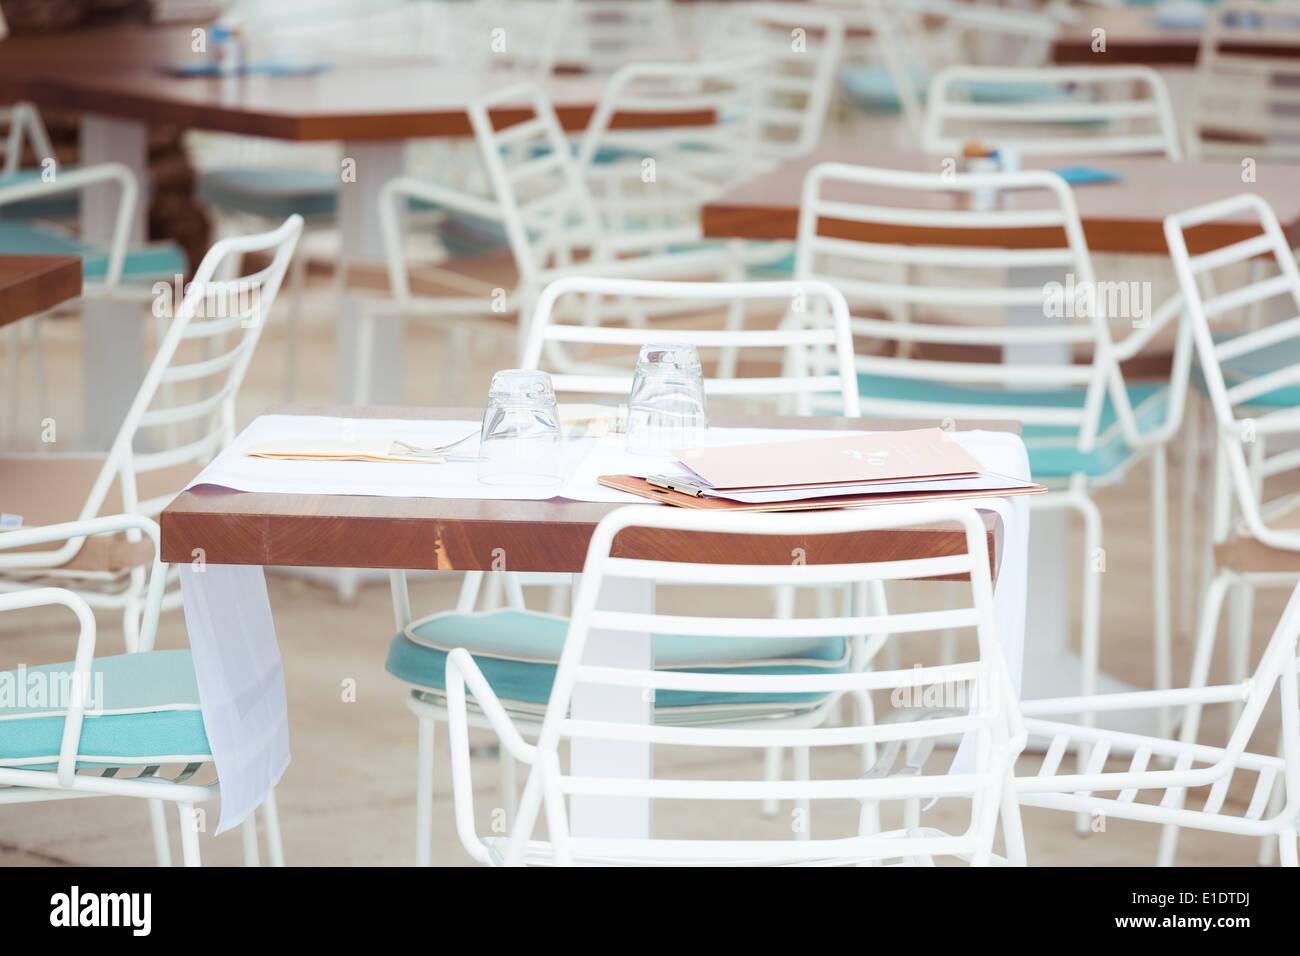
(376, 162)
(112, 344)
(599, 816)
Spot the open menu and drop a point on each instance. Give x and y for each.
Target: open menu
(836, 471)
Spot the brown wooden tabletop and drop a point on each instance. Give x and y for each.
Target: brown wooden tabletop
(120, 72)
(31, 284)
(1133, 35)
(1124, 216)
(358, 531)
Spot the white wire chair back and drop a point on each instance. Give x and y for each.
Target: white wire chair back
(800, 48)
(914, 41)
(185, 406)
(989, 713)
(548, 213)
(22, 127)
(1240, 373)
(1244, 100)
(1216, 772)
(912, 202)
(654, 178)
(601, 36)
(825, 331)
(1057, 110)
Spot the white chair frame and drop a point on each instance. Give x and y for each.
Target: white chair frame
(1100, 378)
(1243, 460)
(22, 785)
(221, 372)
(993, 720)
(1009, 125)
(795, 338)
(1249, 97)
(1193, 765)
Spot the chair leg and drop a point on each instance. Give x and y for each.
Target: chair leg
(803, 806)
(297, 272)
(1240, 611)
(271, 820)
(424, 794)
(162, 849)
(509, 786)
(773, 762)
(1160, 580)
(1287, 848)
(1206, 627)
(1013, 831)
(1089, 640)
(248, 832)
(38, 369)
(1190, 472)
(189, 834)
(13, 389)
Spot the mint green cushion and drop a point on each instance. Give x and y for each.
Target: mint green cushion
(148, 707)
(1277, 356)
(272, 191)
(517, 652)
(155, 260)
(1053, 449)
(464, 235)
(62, 205)
(873, 88)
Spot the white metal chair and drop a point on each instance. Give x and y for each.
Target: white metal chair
(1195, 766)
(410, 658)
(992, 720)
(1244, 102)
(550, 221)
(1252, 384)
(112, 270)
(112, 714)
(909, 43)
(1051, 111)
(185, 409)
(23, 127)
(1006, 356)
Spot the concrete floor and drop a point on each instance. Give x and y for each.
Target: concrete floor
(348, 797)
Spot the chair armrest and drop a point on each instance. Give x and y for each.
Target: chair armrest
(77, 180)
(1179, 376)
(72, 721)
(75, 534)
(461, 670)
(398, 190)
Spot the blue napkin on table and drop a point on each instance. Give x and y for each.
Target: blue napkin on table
(1086, 175)
(270, 69)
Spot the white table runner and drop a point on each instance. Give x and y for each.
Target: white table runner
(228, 614)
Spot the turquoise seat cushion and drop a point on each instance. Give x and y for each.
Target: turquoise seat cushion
(517, 653)
(779, 268)
(873, 88)
(141, 708)
(465, 235)
(272, 191)
(155, 260)
(62, 205)
(1284, 354)
(1053, 449)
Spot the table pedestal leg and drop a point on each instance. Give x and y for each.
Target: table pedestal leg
(112, 342)
(375, 163)
(598, 816)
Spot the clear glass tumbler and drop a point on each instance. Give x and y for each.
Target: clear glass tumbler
(666, 410)
(520, 442)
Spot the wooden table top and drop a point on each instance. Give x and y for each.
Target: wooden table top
(442, 534)
(1133, 35)
(31, 284)
(1125, 216)
(118, 72)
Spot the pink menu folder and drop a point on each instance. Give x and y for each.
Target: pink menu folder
(885, 456)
